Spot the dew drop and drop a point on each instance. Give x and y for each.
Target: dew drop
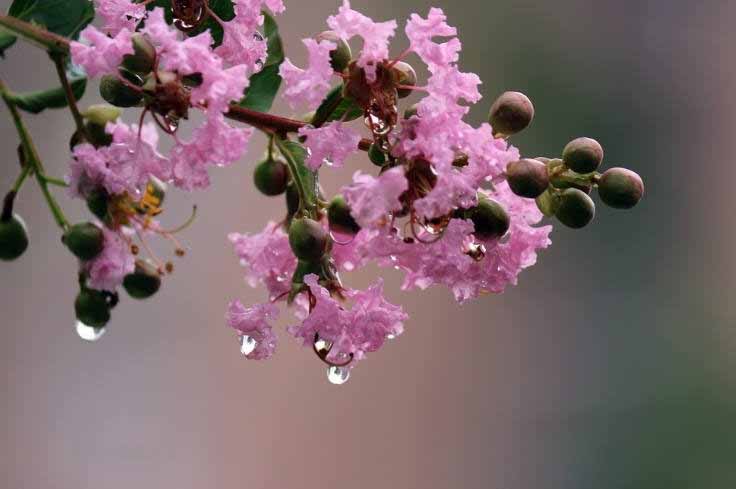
(338, 375)
(322, 345)
(247, 344)
(89, 333)
(390, 336)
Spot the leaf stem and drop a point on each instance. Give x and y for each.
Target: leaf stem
(32, 159)
(21, 178)
(38, 35)
(71, 100)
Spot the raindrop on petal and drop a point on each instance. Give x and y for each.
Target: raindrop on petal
(247, 344)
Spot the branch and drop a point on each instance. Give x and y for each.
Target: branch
(58, 59)
(38, 35)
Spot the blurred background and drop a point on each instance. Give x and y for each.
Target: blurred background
(611, 365)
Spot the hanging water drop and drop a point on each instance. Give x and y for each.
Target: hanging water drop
(338, 375)
(88, 333)
(247, 344)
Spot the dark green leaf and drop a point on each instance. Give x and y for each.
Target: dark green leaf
(265, 84)
(6, 40)
(309, 178)
(53, 98)
(63, 17)
(336, 107)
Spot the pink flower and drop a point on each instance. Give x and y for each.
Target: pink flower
(267, 258)
(330, 144)
(107, 270)
(119, 14)
(253, 322)
(311, 85)
(99, 54)
(215, 143)
(349, 23)
(241, 45)
(421, 32)
(357, 331)
(372, 199)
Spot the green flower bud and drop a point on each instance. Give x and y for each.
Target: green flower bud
(271, 176)
(576, 208)
(376, 156)
(119, 94)
(405, 75)
(304, 268)
(84, 240)
(97, 203)
(13, 238)
(570, 179)
(92, 308)
(511, 113)
(411, 111)
(101, 114)
(548, 202)
(527, 178)
(490, 219)
(620, 188)
(339, 217)
(341, 56)
(583, 155)
(143, 57)
(143, 282)
(308, 239)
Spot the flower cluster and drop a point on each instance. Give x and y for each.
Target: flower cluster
(444, 202)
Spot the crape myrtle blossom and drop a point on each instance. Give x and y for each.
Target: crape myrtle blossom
(309, 86)
(253, 322)
(242, 43)
(372, 199)
(331, 144)
(107, 270)
(119, 14)
(99, 54)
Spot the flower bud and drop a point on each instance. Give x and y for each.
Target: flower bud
(339, 217)
(143, 57)
(304, 268)
(13, 238)
(404, 75)
(583, 155)
(340, 56)
(527, 178)
(92, 308)
(411, 111)
(512, 112)
(570, 179)
(143, 282)
(620, 188)
(118, 93)
(548, 202)
(576, 208)
(376, 156)
(308, 239)
(97, 202)
(101, 114)
(85, 240)
(490, 219)
(271, 176)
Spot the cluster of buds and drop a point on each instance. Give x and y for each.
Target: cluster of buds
(444, 202)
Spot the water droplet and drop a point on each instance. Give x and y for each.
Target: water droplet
(322, 345)
(247, 344)
(88, 333)
(338, 375)
(390, 336)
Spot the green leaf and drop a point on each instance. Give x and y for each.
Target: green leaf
(336, 107)
(6, 40)
(297, 154)
(53, 98)
(265, 84)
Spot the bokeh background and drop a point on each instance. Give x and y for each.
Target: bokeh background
(611, 365)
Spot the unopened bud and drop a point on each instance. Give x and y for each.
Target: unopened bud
(340, 56)
(406, 76)
(101, 114)
(583, 155)
(339, 217)
(85, 240)
(620, 188)
(119, 93)
(308, 239)
(576, 208)
(271, 176)
(511, 113)
(143, 57)
(376, 156)
(490, 219)
(411, 111)
(13, 237)
(97, 202)
(143, 282)
(527, 178)
(92, 308)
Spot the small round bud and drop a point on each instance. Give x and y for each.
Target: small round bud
(405, 75)
(101, 114)
(490, 219)
(583, 155)
(143, 57)
(411, 111)
(548, 202)
(339, 217)
(98, 134)
(511, 113)
(97, 202)
(85, 240)
(620, 188)
(13, 238)
(271, 176)
(118, 93)
(527, 178)
(143, 282)
(341, 56)
(92, 308)
(308, 239)
(576, 209)
(376, 156)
